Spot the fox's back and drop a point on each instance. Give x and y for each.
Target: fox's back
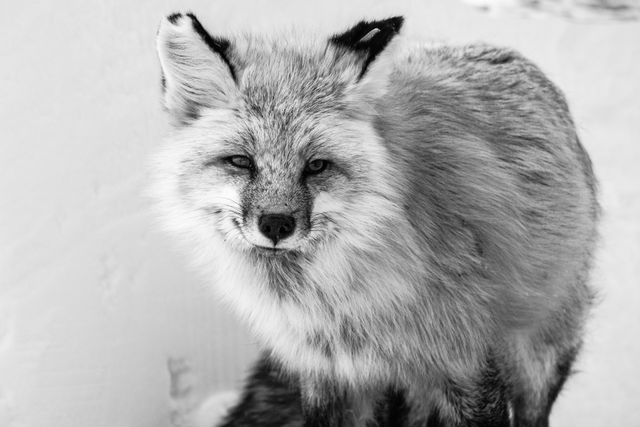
(494, 170)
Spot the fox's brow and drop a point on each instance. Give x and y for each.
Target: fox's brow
(244, 141)
(238, 146)
(313, 147)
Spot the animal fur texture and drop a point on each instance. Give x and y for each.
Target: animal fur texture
(407, 229)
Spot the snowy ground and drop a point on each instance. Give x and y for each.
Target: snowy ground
(96, 308)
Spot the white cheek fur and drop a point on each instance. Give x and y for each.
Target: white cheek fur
(326, 203)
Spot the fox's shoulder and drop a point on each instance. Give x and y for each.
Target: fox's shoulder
(456, 60)
(477, 67)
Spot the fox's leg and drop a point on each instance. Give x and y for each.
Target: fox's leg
(480, 401)
(544, 378)
(330, 411)
(324, 403)
(269, 399)
(392, 409)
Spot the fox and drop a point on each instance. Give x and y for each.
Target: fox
(407, 229)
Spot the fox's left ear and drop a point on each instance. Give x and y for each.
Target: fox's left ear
(368, 48)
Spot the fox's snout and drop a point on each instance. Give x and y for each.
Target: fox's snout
(276, 226)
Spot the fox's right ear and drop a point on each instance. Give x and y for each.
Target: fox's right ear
(196, 70)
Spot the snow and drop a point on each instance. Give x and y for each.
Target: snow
(102, 323)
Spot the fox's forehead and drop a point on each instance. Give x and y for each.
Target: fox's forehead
(290, 78)
(279, 137)
(286, 90)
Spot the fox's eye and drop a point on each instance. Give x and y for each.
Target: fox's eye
(316, 166)
(242, 162)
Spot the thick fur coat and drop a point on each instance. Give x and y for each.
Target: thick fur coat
(439, 221)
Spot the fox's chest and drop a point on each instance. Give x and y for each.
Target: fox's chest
(314, 343)
(313, 334)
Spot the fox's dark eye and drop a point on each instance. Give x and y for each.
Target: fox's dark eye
(316, 166)
(242, 162)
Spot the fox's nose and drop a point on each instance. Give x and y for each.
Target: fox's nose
(276, 226)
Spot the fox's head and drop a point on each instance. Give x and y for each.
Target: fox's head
(275, 151)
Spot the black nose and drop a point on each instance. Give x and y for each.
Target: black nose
(276, 226)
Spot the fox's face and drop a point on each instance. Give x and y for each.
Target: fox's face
(274, 150)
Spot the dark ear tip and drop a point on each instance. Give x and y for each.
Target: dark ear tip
(193, 17)
(174, 17)
(197, 26)
(353, 37)
(395, 23)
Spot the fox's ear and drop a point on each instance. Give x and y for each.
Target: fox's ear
(196, 70)
(368, 49)
(366, 40)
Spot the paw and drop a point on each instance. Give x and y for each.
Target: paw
(213, 409)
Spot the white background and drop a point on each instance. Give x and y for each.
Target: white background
(94, 302)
